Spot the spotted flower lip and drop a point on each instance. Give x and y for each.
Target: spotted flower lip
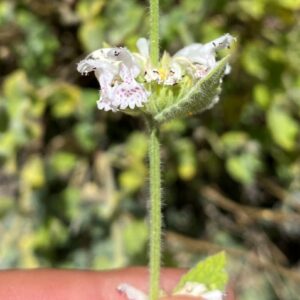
(129, 93)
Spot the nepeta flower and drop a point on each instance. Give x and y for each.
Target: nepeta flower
(126, 78)
(116, 70)
(205, 54)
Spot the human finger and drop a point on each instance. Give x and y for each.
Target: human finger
(77, 285)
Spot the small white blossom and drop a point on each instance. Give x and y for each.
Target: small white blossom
(95, 60)
(116, 70)
(213, 295)
(199, 59)
(143, 47)
(205, 54)
(199, 290)
(131, 293)
(122, 74)
(151, 75)
(107, 91)
(175, 74)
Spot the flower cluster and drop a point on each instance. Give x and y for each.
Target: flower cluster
(124, 76)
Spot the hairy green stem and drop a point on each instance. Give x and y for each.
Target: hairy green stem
(154, 31)
(155, 213)
(154, 160)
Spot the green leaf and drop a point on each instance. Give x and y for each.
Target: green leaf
(62, 162)
(283, 127)
(39, 43)
(64, 100)
(85, 135)
(33, 172)
(16, 85)
(186, 156)
(290, 4)
(233, 141)
(137, 145)
(91, 34)
(87, 9)
(133, 179)
(200, 97)
(210, 272)
(4, 118)
(125, 18)
(253, 60)
(244, 167)
(262, 95)
(255, 9)
(135, 237)
(87, 103)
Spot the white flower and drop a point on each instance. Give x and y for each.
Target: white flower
(131, 292)
(95, 60)
(143, 47)
(199, 290)
(122, 74)
(105, 79)
(116, 70)
(213, 295)
(124, 57)
(205, 54)
(203, 57)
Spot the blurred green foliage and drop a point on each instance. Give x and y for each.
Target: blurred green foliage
(73, 180)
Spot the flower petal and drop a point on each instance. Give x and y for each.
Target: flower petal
(222, 42)
(131, 292)
(143, 47)
(106, 101)
(106, 105)
(174, 75)
(130, 95)
(91, 62)
(205, 54)
(213, 295)
(129, 92)
(125, 57)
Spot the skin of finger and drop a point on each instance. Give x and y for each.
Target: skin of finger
(182, 298)
(44, 284)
